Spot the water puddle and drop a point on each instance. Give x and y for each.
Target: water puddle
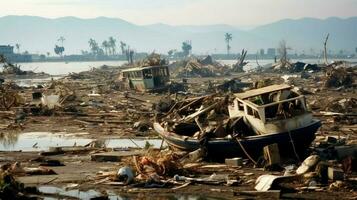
(27, 82)
(52, 192)
(75, 193)
(41, 141)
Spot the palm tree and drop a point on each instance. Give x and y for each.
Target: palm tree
(93, 46)
(18, 48)
(228, 38)
(59, 50)
(61, 39)
(112, 44)
(106, 46)
(122, 47)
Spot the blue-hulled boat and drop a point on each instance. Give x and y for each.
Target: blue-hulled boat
(273, 114)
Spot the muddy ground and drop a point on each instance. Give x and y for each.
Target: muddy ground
(112, 114)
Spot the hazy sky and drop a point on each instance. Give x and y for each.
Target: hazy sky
(243, 13)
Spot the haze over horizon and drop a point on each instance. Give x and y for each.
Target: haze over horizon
(238, 13)
(162, 25)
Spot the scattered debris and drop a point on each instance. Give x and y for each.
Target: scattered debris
(201, 68)
(214, 111)
(337, 76)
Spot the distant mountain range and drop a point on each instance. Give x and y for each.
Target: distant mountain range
(39, 35)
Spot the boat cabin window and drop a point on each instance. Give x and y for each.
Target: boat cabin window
(165, 71)
(133, 74)
(160, 72)
(285, 109)
(256, 114)
(249, 110)
(156, 72)
(147, 74)
(240, 106)
(252, 112)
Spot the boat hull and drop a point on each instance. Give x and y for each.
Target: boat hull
(228, 148)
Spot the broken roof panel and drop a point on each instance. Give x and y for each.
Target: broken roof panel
(264, 90)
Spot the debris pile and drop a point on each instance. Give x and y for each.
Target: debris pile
(63, 90)
(329, 168)
(200, 68)
(194, 69)
(158, 164)
(339, 76)
(282, 66)
(345, 105)
(289, 67)
(104, 74)
(9, 96)
(301, 66)
(152, 60)
(233, 85)
(199, 117)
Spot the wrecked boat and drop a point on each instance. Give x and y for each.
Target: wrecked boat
(257, 118)
(149, 78)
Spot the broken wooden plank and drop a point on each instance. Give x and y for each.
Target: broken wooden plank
(272, 154)
(114, 156)
(44, 179)
(200, 112)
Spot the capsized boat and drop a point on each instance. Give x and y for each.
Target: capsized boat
(257, 118)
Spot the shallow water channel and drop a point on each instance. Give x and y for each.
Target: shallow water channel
(41, 141)
(52, 193)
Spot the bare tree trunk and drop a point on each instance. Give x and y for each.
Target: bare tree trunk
(325, 49)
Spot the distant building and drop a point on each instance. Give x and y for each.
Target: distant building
(261, 52)
(8, 52)
(271, 52)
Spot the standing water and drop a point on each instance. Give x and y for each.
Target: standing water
(40, 141)
(61, 68)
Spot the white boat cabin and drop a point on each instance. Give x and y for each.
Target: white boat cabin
(271, 109)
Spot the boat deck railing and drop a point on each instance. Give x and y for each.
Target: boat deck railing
(261, 109)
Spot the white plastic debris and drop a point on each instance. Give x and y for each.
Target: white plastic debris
(308, 164)
(126, 174)
(264, 182)
(50, 101)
